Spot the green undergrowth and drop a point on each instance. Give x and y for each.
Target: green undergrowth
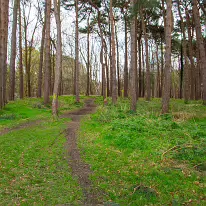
(146, 158)
(34, 167)
(31, 109)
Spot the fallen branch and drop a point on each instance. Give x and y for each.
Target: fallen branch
(176, 147)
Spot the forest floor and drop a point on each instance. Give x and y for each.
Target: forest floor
(110, 156)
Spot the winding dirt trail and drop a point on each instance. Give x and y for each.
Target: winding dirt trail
(21, 126)
(80, 169)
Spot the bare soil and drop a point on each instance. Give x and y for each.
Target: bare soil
(21, 126)
(80, 169)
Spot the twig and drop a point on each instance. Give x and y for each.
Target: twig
(176, 147)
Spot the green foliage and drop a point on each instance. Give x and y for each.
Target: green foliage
(146, 158)
(34, 167)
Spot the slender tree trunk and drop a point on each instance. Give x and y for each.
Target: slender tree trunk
(167, 70)
(13, 50)
(162, 66)
(118, 69)
(158, 71)
(29, 61)
(77, 52)
(58, 59)
(200, 44)
(88, 56)
(186, 67)
(47, 53)
(133, 69)
(126, 60)
(140, 66)
(114, 80)
(148, 75)
(191, 54)
(21, 78)
(143, 71)
(41, 60)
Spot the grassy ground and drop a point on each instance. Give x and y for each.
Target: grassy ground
(147, 158)
(33, 163)
(31, 109)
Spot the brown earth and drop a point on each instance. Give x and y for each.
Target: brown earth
(21, 126)
(80, 169)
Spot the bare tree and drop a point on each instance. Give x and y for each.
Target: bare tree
(133, 69)
(113, 56)
(21, 78)
(47, 53)
(202, 57)
(77, 52)
(167, 70)
(58, 59)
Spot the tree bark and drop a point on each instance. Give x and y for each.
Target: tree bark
(13, 50)
(113, 58)
(41, 60)
(133, 63)
(118, 69)
(4, 7)
(21, 76)
(58, 59)
(77, 53)
(126, 59)
(186, 66)
(200, 43)
(88, 56)
(47, 53)
(148, 76)
(167, 70)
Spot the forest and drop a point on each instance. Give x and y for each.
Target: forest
(102, 102)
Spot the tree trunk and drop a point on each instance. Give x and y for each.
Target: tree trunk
(148, 76)
(158, 72)
(113, 73)
(126, 60)
(21, 78)
(186, 67)
(200, 44)
(13, 50)
(77, 53)
(167, 70)
(118, 69)
(58, 59)
(41, 60)
(133, 69)
(88, 56)
(47, 53)
(140, 65)
(191, 54)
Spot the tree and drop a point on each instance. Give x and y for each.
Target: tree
(47, 53)
(200, 43)
(77, 52)
(4, 7)
(58, 59)
(167, 69)
(21, 79)
(186, 66)
(113, 56)
(13, 50)
(133, 58)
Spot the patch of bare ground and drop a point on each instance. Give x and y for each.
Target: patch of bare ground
(80, 169)
(21, 126)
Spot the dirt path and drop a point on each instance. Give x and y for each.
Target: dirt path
(80, 169)
(21, 126)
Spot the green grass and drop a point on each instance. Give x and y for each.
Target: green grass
(34, 164)
(34, 167)
(31, 109)
(146, 158)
